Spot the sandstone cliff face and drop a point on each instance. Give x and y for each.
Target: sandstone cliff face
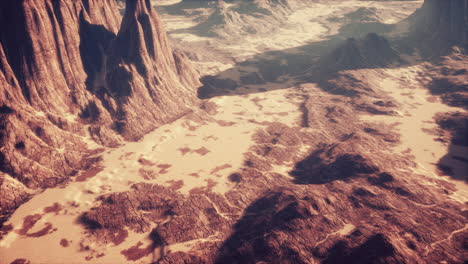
(142, 70)
(441, 24)
(69, 70)
(45, 50)
(43, 90)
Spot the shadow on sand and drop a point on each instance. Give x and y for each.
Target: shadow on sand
(316, 62)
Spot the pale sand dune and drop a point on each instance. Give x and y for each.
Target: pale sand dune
(417, 114)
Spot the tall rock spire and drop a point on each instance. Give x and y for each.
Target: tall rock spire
(74, 67)
(143, 70)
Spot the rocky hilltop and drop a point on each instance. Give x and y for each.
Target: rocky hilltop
(71, 70)
(373, 51)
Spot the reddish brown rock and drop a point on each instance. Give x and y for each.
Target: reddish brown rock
(28, 223)
(456, 126)
(55, 208)
(64, 242)
(47, 229)
(74, 68)
(21, 261)
(348, 201)
(12, 194)
(448, 80)
(135, 252)
(438, 25)
(142, 70)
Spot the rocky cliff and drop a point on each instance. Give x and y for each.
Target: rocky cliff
(438, 25)
(147, 79)
(72, 70)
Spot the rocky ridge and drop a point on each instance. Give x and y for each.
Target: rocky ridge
(74, 70)
(234, 18)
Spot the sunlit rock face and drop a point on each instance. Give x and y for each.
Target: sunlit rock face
(73, 68)
(142, 69)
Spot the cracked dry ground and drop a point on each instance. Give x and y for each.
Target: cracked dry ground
(284, 176)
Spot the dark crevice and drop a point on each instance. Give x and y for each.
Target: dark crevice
(145, 22)
(94, 42)
(16, 42)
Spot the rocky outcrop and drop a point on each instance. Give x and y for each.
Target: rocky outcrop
(145, 77)
(456, 126)
(439, 25)
(233, 18)
(47, 49)
(448, 79)
(318, 169)
(13, 194)
(374, 51)
(345, 205)
(71, 71)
